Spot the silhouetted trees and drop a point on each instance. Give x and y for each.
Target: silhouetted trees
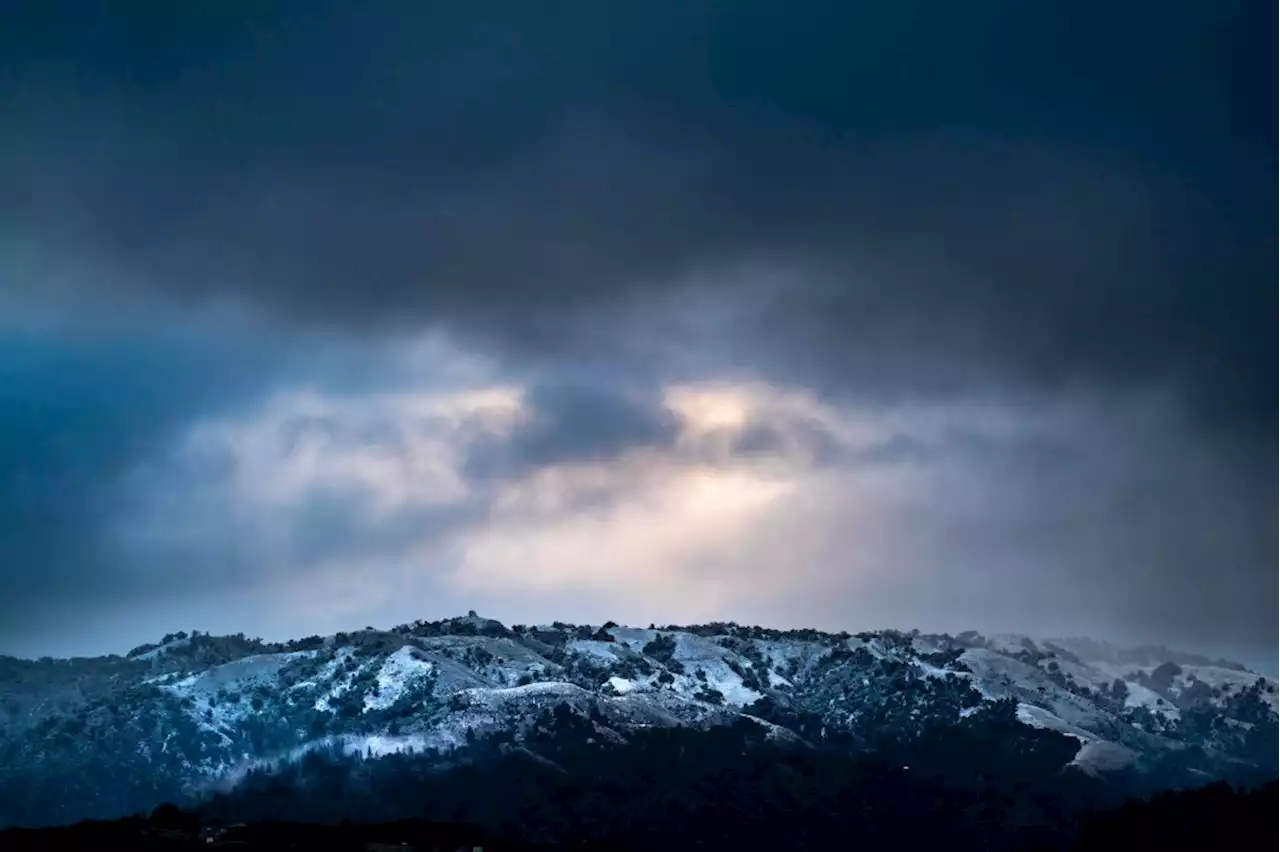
(991, 783)
(1212, 817)
(987, 783)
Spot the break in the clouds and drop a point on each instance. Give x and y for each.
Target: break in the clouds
(908, 313)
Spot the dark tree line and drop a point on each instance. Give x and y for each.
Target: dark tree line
(987, 783)
(994, 784)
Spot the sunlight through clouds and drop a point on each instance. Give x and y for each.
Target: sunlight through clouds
(764, 501)
(650, 540)
(411, 313)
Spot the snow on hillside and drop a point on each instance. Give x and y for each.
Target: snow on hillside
(437, 686)
(399, 671)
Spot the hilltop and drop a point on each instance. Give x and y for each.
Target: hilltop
(194, 715)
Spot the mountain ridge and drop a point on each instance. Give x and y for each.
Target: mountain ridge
(195, 713)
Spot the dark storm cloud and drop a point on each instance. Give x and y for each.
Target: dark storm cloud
(1000, 198)
(1050, 193)
(575, 421)
(76, 414)
(762, 437)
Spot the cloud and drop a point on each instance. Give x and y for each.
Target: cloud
(256, 493)
(519, 182)
(1086, 521)
(76, 413)
(145, 466)
(979, 295)
(566, 421)
(944, 516)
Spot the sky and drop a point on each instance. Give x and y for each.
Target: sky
(317, 315)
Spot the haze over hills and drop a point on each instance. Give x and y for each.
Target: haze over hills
(195, 714)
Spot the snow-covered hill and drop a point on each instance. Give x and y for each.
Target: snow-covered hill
(196, 711)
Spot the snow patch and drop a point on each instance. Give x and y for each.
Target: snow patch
(623, 686)
(400, 671)
(1141, 696)
(1098, 756)
(634, 638)
(603, 652)
(1038, 717)
(543, 688)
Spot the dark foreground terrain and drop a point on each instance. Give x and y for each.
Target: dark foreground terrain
(1215, 816)
(176, 831)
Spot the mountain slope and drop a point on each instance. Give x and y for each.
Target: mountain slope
(105, 736)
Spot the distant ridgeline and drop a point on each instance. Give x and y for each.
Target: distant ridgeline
(564, 731)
